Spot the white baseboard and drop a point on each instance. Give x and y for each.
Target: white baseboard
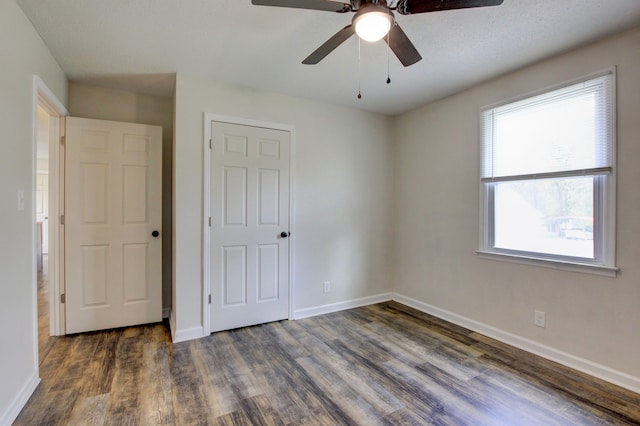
(183, 335)
(584, 365)
(341, 306)
(188, 334)
(20, 400)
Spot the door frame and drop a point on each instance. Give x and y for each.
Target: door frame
(46, 99)
(208, 119)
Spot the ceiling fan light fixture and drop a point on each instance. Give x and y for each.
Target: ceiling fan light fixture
(373, 25)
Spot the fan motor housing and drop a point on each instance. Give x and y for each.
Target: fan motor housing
(358, 4)
(371, 7)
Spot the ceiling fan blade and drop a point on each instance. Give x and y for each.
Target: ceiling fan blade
(410, 7)
(402, 46)
(326, 5)
(329, 45)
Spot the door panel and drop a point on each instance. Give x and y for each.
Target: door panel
(135, 265)
(268, 197)
(250, 208)
(95, 274)
(134, 183)
(234, 276)
(268, 267)
(235, 196)
(112, 204)
(95, 178)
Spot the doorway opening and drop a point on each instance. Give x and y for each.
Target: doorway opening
(48, 119)
(42, 230)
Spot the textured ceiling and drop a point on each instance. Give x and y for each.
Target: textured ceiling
(138, 45)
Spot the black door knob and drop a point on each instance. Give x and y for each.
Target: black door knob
(155, 234)
(284, 234)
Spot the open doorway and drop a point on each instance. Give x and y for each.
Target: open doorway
(42, 230)
(48, 181)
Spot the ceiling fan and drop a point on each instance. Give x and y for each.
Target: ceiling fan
(374, 20)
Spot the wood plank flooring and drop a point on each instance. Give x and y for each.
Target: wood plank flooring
(384, 364)
(44, 343)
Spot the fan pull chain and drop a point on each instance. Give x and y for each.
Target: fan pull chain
(359, 77)
(388, 54)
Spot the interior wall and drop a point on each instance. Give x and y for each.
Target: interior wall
(87, 101)
(437, 207)
(342, 198)
(23, 55)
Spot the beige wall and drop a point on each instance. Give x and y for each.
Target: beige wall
(23, 55)
(342, 198)
(116, 105)
(437, 204)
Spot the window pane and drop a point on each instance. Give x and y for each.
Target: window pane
(552, 216)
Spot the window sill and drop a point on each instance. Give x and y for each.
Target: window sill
(605, 271)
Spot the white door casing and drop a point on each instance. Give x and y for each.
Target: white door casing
(42, 208)
(44, 98)
(113, 199)
(250, 205)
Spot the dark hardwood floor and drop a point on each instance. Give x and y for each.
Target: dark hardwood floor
(384, 364)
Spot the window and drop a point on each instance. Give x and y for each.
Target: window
(547, 177)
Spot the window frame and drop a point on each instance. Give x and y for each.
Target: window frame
(604, 201)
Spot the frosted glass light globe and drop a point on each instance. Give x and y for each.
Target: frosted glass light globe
(372, 26)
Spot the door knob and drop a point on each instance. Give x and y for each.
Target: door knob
(155, 234)
(284, 234)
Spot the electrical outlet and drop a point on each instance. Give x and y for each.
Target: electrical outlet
(539, 318)
(327, 286)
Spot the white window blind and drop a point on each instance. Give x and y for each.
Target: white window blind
(564, 132)
(547, 176)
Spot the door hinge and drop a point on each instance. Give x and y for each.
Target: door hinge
(63, 139)
(63, 298)
(62, 219)
(209, 221)
(210, 143)
(209, 299)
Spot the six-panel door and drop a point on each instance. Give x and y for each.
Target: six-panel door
(250, 213)
(113, 199)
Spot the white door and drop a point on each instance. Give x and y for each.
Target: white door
(249, 225)
(113, 214)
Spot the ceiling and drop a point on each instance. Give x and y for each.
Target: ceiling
(139, 45)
